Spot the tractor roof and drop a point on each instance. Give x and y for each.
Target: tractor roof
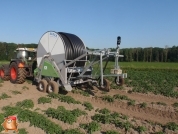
(27, 49)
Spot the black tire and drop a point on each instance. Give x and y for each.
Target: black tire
(42, 85)
(53, 87)
(47, 79)
(6, 78)
(119, 82)
(2, 75)
(17, 75)
(106, 85)
(0, 71)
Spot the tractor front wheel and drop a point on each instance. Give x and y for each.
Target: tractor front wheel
(52, 87)
(17, 75)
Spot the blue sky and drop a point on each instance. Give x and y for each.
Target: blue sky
(140, 23)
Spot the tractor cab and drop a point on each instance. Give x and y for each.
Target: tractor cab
(25, 53)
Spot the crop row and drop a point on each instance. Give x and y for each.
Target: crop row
(103, 116)
(64, 115)
(157, 81)
(21, 109)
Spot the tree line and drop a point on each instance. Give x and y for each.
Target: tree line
(150, 54)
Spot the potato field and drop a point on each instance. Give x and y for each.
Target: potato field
(147, 103)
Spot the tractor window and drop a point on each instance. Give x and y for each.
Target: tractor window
(31, 54)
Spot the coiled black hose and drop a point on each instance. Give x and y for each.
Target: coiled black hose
(74, 47)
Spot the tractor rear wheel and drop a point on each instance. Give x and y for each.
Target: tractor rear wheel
(17, 75)
(53, 87)
(42, 85)
(119, 81)
(2, 75)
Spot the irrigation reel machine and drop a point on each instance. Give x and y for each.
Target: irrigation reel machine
(64, 61)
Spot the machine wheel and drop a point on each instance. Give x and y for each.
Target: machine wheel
(119, 81)
(52, 87)
(106, 85)
(47, 79)
(42, 86)
(17, 75)
(3, 76)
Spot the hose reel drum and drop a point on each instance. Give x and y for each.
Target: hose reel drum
(62, 47)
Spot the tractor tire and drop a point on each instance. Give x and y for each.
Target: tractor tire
(53, 87)
(119, 81)
(106, 85)
(0, 71)
(2, 75)
(42, 85)
(17, 75)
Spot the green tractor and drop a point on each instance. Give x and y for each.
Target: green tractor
(21, 67)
